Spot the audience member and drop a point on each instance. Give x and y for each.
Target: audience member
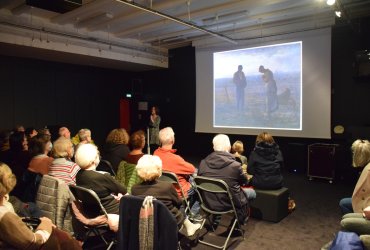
(62, 167)
(361, 194)
(115, 149)
(105, 186)
(265, 163)
(84, 136)
(39, 148)
(137, 142)
(30, 132)
(4, 143)
(149, 168)
(64, 131)
(221, 164)
(19, 128)
(238, 149)
(176, 164)
(14, 234)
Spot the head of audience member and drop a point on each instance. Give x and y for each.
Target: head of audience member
(137, 140)
(360, 153)
(64, 131)
(44, 131)
(167, 137)
(19, 128)
(149, 167)
(4, 140)
(30, 132)
(265, 137)
(63, 148)
(221, 143)
(39, 145)
(238, 147)
(7, 181)
(240, 68)
(87, 156)
(261, 69)
(18, 142)
(117, 136)
(84, 135)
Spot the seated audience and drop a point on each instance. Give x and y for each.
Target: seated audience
(84, 135)
(64, 131)
(115, 149)
(105, 186)
(137, 142)
(176, 164)
(221, 164)
(4, 144)
(62, 167)
(238, 149)
(149, 168)
(14, 234)
(265, 163)
(19, 128)
(361, 194)
(39, 148)
(30, 132)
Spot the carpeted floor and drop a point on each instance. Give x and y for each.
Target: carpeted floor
(312, 224)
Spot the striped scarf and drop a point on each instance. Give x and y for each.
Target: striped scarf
(146, 224)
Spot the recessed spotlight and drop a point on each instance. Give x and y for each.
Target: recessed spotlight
(330, 2)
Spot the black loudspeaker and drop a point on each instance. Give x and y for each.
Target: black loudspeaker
(295, 158)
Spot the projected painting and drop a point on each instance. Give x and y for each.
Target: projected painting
(259, 87)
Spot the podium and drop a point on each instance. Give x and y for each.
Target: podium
(322, 161)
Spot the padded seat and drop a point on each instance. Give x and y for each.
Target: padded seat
(270, 205)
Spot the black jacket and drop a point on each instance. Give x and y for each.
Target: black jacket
(223, 166)
(115, 153)
(265, 163)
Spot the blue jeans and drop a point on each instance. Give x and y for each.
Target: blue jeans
(345, 205)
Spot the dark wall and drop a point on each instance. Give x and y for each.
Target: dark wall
(38, 93)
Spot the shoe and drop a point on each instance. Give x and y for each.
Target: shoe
(190, 228)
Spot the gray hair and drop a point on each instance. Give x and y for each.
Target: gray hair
(166, 136)
(221, 142)
(86, 155)
(84, 133)
(149, 167)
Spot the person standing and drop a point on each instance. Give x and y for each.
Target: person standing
(154, 122)
(240, 83)
(270, 90)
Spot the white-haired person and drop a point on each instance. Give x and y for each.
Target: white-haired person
(105, 186)
(176, 164)
(62, 166)
(14, 234)
(149, 168)
(221, 164)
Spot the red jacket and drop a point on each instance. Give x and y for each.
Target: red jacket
(176, 164)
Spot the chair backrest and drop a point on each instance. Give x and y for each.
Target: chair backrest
(210, 187)
(106, 166)
(165, 225)
(90, 201)
(53, 198)
(172, 178)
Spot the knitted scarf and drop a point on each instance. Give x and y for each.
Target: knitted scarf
(146, 224)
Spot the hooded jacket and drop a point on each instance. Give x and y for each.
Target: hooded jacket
(265, 163)
(115, 153)
(223, 166)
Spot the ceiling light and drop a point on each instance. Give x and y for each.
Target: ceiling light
(338, 13)
(330, 2)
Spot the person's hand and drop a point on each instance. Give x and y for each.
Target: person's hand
(46, 224)
(366, 212)
(118, 196)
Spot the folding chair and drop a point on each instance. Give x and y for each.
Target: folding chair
(172, 178)
(106, 166)
(211, 188)
(93, 208)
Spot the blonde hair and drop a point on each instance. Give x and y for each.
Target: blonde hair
(264, 137)
(86, 155)
(149, 167)
(7, 179)
(238, 147)
(360, 153)
(84, 133)
(118, 136)
(61, 147)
